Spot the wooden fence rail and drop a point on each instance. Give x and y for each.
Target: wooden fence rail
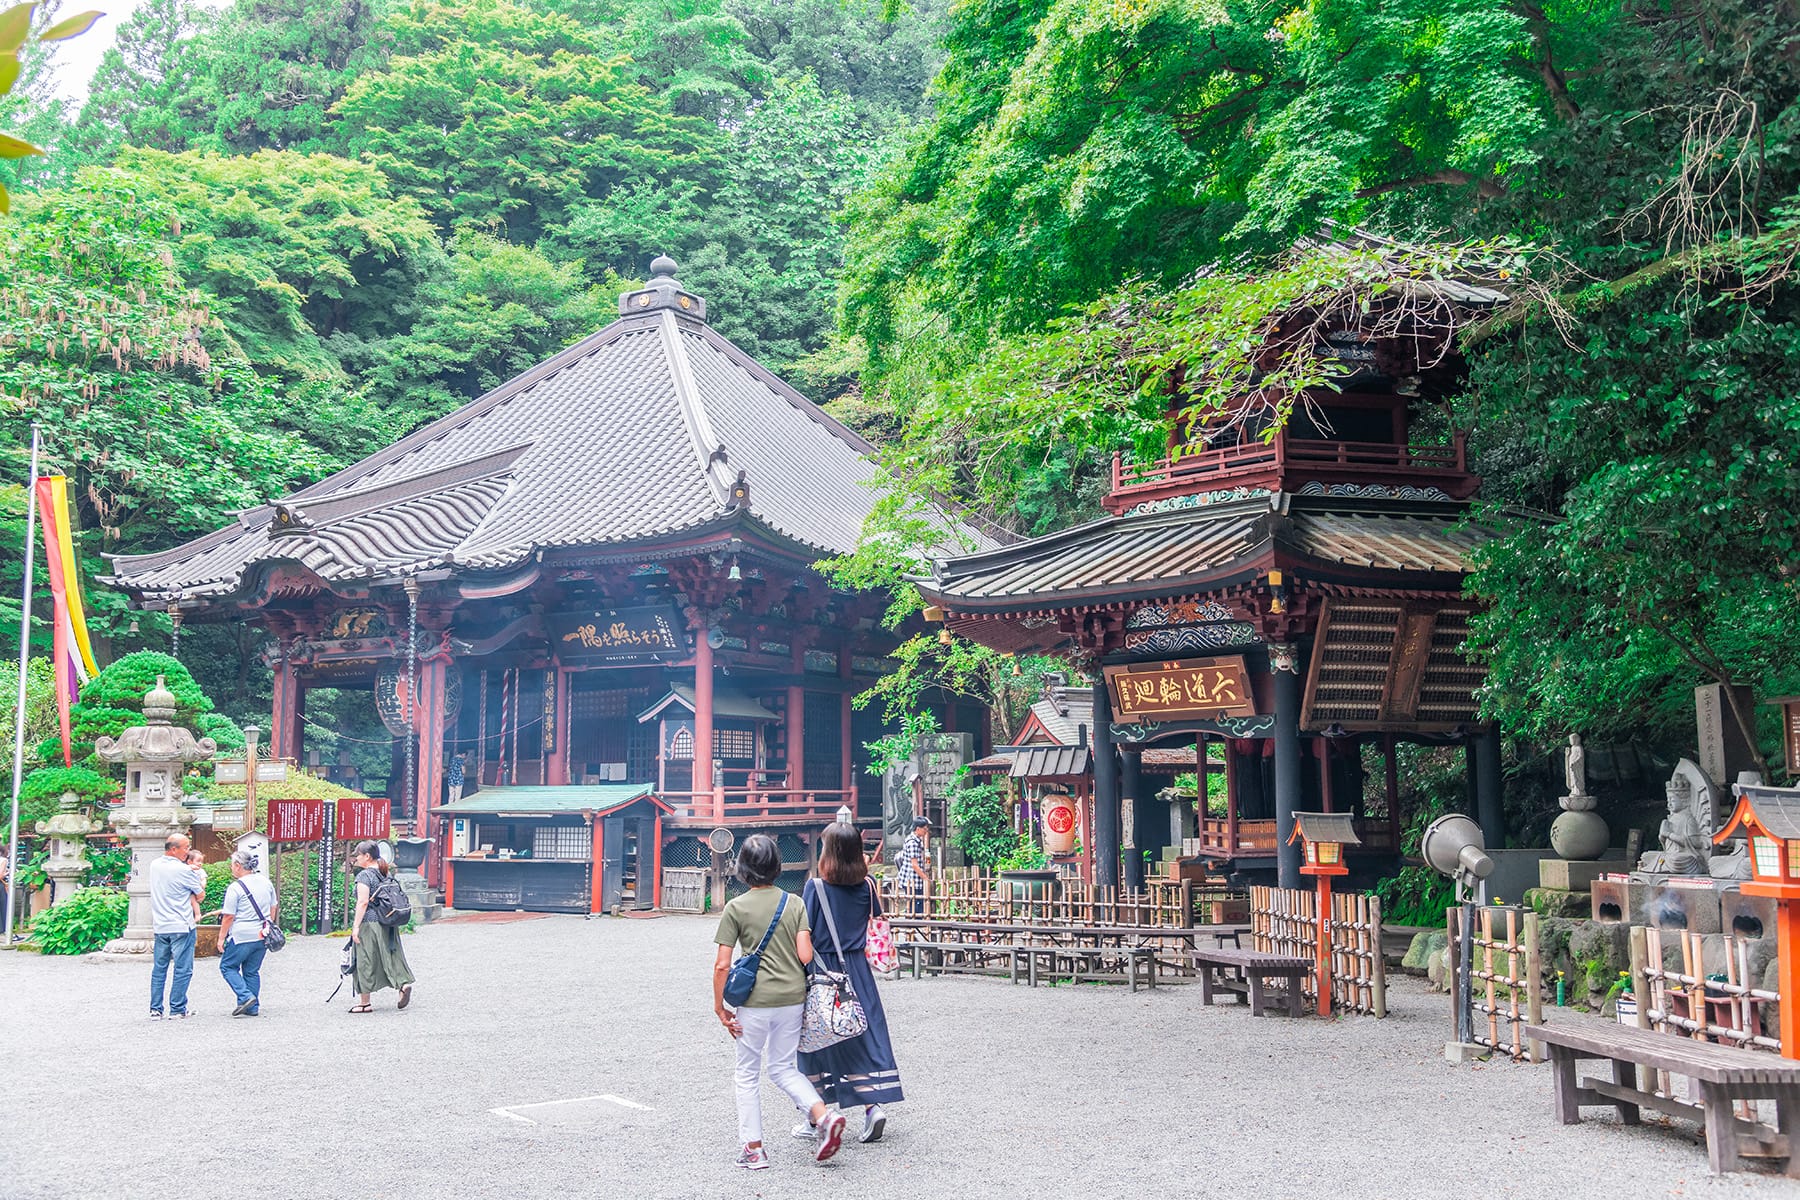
(974, 894)
(1507, 971)
(1286, 921)
(1731, 1011)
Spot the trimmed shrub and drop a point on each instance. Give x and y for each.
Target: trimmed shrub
(83, 923)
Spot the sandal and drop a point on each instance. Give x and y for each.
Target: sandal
(362, 1008)
(405, 996)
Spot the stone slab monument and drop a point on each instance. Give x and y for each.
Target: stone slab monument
(155, 755)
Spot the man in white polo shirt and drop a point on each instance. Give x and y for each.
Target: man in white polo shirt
(173, 884)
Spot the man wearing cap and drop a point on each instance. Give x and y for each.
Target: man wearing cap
(245, 915)
(914, 866)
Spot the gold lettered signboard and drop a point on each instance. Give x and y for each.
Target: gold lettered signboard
(614, 634)
(1187, 687)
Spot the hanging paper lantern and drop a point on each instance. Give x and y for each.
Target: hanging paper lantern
(1060, 820)
(390, 698)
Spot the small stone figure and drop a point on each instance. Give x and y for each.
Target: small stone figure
(1579, 833)
(1575, 766)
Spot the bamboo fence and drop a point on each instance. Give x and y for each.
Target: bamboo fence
(1286, 921)
(1506, 973)
(975, 894)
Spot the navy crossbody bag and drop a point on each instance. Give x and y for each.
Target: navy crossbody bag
(742, 978)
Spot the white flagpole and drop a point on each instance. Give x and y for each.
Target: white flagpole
(18, 763)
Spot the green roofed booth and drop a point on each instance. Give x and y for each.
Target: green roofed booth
(577, 848)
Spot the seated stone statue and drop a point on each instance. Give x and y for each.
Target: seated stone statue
(1686, 844)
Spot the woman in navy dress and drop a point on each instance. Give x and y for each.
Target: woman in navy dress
(860, 1071)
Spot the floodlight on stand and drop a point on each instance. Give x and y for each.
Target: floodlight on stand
(1453, 846)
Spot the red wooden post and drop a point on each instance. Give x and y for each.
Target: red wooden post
(656, 868)
(597, 872)
(1231, 801)
(703, 720)
(433, 682)
(1324, 955)
(449, 880)
(558, 767)
(846, 751)
(795, 725)
(286, 718)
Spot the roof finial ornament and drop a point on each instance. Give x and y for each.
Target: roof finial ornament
(662, 292)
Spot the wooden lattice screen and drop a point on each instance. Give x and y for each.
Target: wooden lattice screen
(1508, 974)
(1285, 921)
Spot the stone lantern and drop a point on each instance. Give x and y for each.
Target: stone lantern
(155, 755)
(67, 861)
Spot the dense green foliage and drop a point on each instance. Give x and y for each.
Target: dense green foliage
(981, 823)
(83, 923)
(278, 236)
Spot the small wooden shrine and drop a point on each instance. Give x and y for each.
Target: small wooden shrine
(598, 575)
(1294, 597)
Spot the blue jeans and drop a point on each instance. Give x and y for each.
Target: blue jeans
(180, 948)
(241, 965)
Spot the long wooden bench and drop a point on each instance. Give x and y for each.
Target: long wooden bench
(1245, 974)
(1726, 1074)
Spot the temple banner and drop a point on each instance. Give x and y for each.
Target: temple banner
(614, 634)
(1188, 687)
(296, 820)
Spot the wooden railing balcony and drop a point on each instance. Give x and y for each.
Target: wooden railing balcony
(749, 805)
(1287, 464)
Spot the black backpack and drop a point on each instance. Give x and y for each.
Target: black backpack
(388, 903)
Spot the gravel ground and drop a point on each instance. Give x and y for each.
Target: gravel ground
(1012, 1090)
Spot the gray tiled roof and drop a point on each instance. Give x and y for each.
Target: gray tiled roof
(635, 433)
(1160, 551)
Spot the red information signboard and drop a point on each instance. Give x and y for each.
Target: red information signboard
(362, 818)
(296, 820)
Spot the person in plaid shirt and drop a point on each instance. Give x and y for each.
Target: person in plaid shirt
(913, 865)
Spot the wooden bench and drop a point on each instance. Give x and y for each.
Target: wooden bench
(1245, 973)
(1726, 1074)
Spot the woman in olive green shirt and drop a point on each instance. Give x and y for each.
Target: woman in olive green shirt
(767, 1025)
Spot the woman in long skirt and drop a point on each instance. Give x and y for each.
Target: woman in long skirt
(859, 1071)
(380, 959)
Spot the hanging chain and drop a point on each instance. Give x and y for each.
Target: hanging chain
(175, 634)
(412, 697)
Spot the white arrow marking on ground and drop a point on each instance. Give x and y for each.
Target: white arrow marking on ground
(507, 1111)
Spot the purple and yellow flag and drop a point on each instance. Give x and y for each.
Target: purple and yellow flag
(73, 652)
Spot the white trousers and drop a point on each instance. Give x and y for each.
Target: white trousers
(771, 1036)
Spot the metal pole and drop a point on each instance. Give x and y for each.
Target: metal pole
(18, 763)
(1465, 1003)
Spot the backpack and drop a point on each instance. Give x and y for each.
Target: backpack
(388, 903)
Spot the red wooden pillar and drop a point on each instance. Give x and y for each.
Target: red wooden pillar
(795, 726)
(1231, 799)
(597, 872)
(449, 878)
(285, 724)
(429, 722)
(1323, 964)
(656, 868)
(557, 769)
(846, 778)
(703, 721)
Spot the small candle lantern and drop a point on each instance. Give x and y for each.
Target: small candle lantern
(1770, 818)
(1323, 837)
